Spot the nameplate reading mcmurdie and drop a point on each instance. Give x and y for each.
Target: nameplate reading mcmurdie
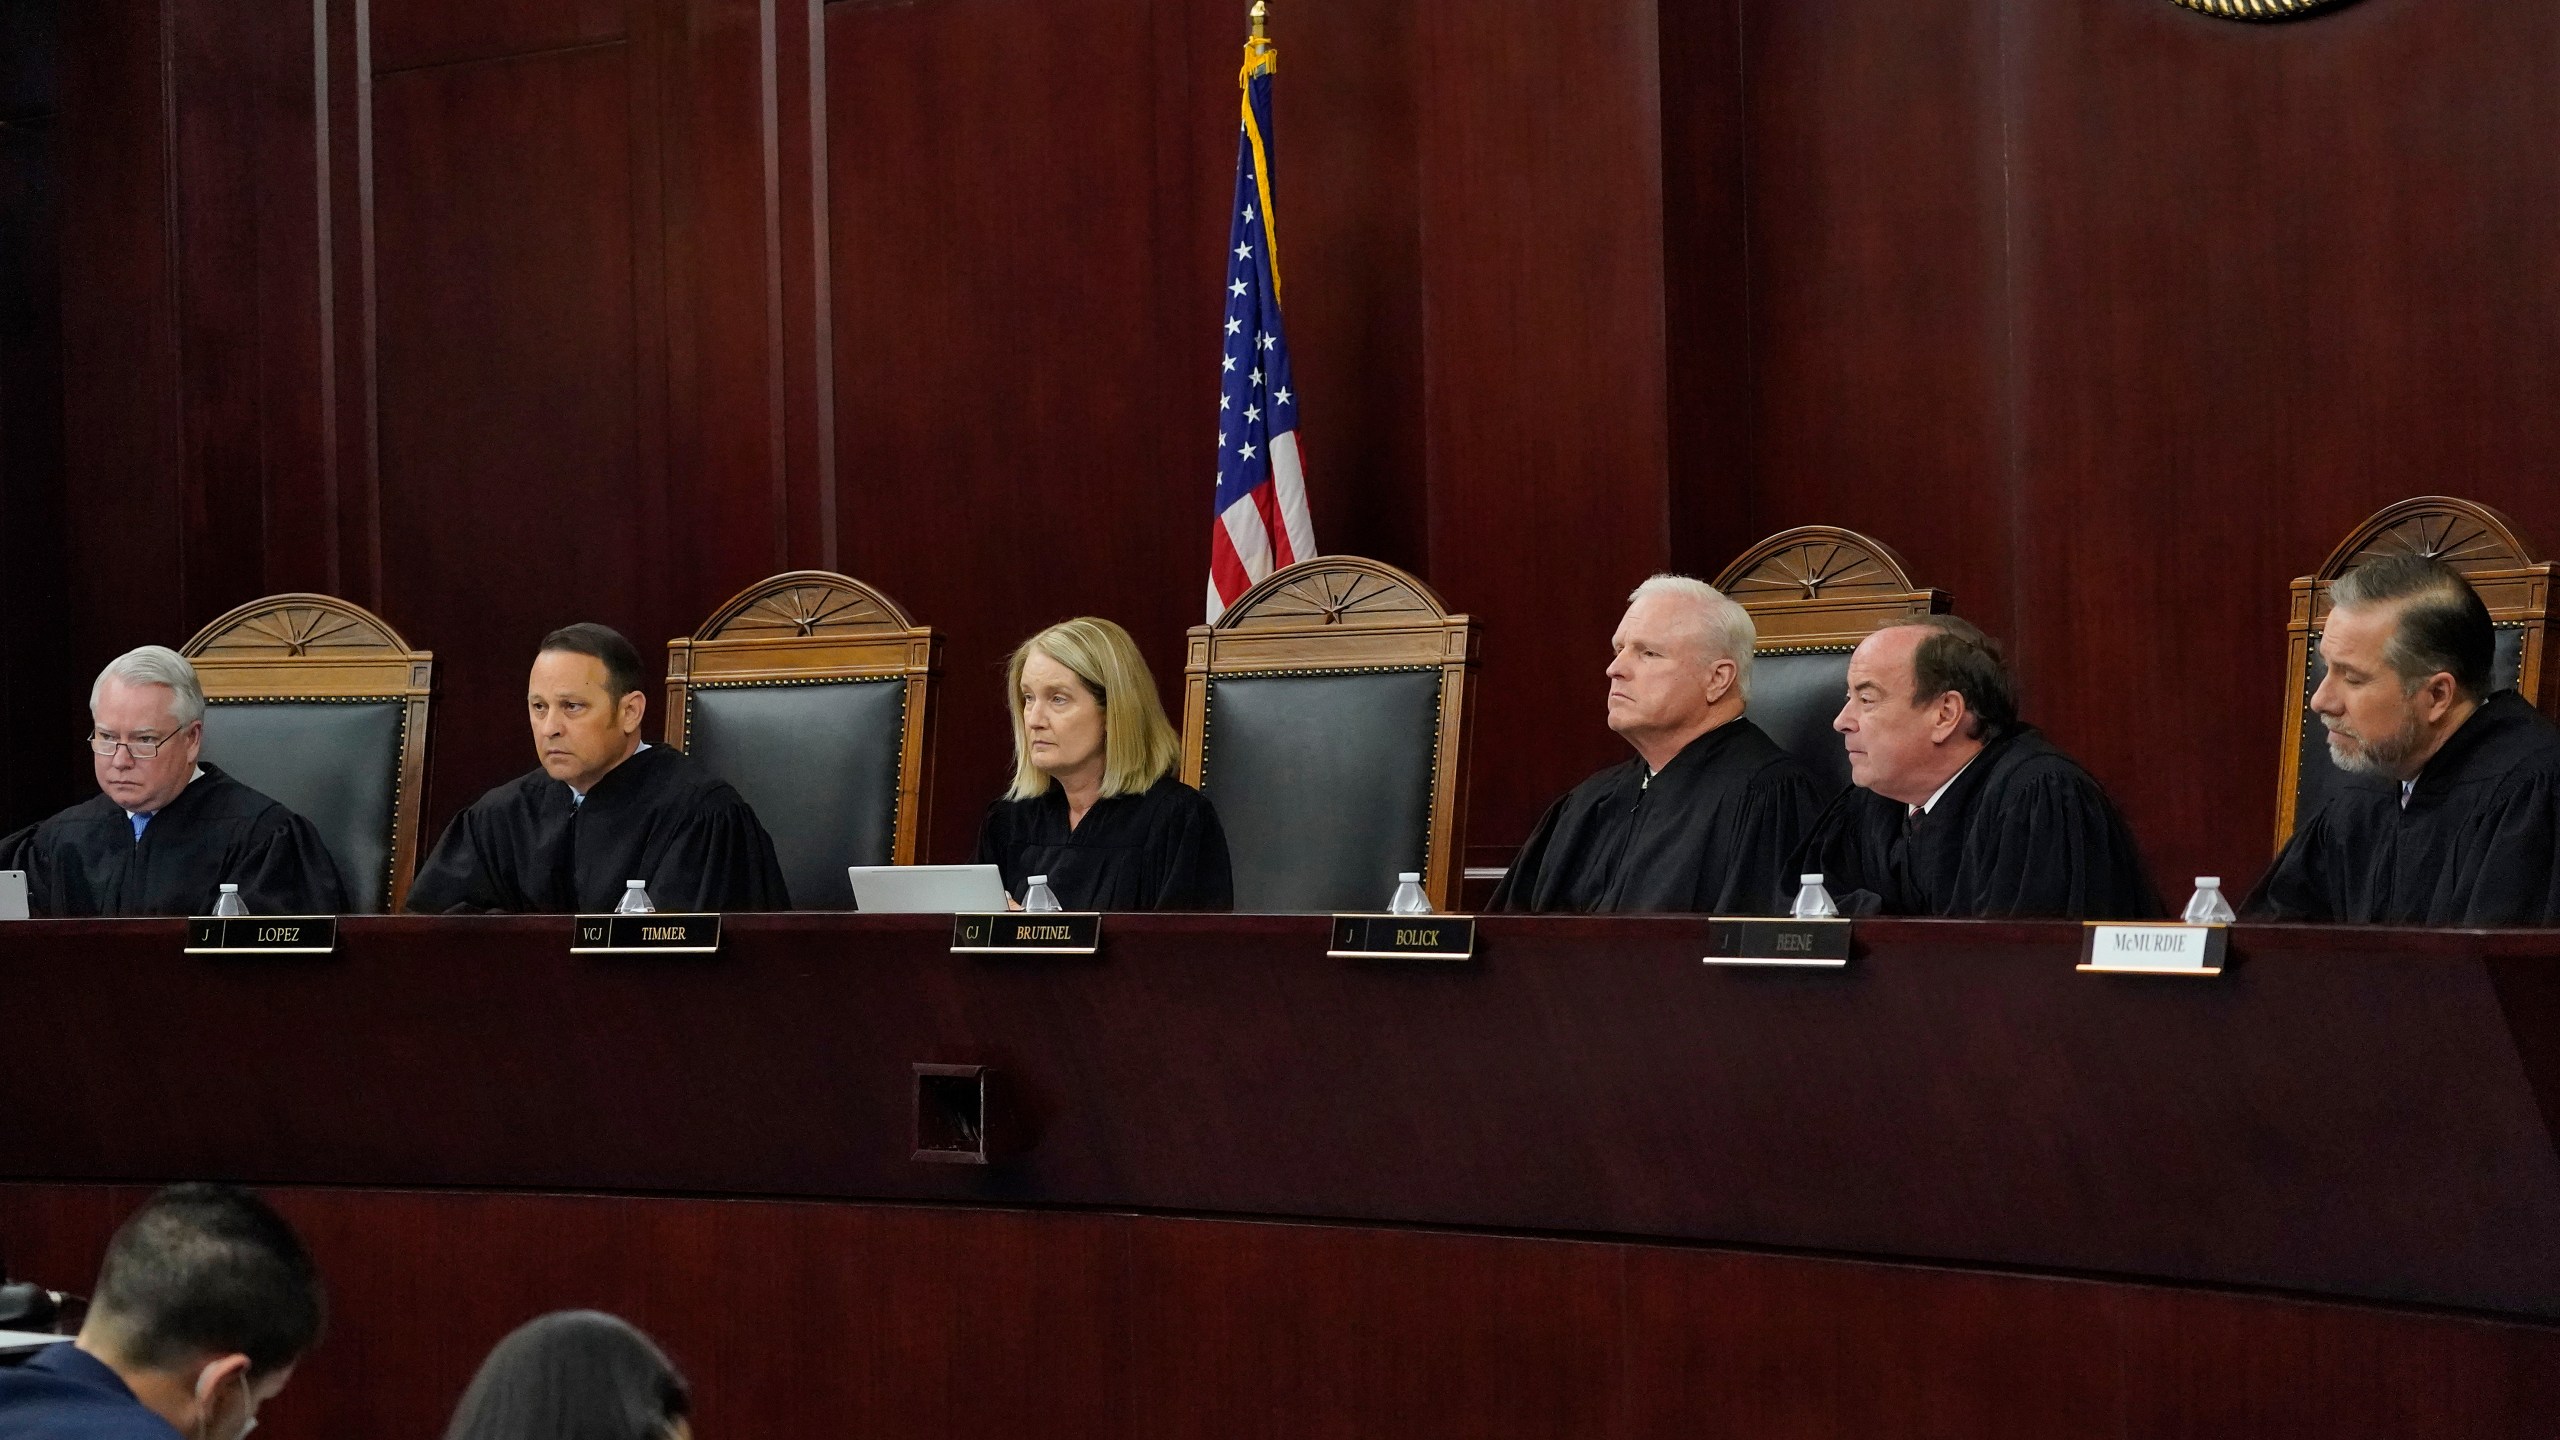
(262, 934)
(1403, 937)
(1020, 932)
(1742, 940)
(644, 935)
(2154, 949)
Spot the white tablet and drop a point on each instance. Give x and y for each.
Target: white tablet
(13, 894)
(926, 889)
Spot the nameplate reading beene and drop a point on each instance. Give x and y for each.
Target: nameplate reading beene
(1403, 937)
(2154, 949)
(1015, 932)
(262, 934)
(644, 934)
(1742, 940)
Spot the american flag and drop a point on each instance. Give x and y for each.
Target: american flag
(1260, 517)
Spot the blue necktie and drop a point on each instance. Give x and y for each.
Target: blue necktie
(138, 822)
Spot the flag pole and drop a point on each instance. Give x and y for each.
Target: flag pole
(1260, 13)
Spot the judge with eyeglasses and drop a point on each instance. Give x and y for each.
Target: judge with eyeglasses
(166, 831)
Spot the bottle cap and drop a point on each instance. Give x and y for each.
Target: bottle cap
(1039, 879)
(1408, 877)
(2208, 882)
(230, 889)
(634, 884)
(1808, 879)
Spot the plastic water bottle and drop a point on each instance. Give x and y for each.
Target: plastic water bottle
(1409, 899)
(1037, 896)
(2207, 907)
(1812, 901)
(635, 899)
(229, 902)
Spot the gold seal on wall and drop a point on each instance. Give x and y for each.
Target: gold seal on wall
(2261, 9)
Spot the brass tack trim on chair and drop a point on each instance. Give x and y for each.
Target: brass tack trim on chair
(2259, 9)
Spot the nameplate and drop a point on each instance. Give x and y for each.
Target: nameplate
(1403, 937)
(2154, 949)
(645, 935)
(1743, 940)
(262, 934)
(1016, 932)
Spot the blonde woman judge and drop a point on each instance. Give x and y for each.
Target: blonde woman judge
(1094, 804)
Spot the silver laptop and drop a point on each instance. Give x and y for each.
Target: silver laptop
(926, 889)
(13, 894)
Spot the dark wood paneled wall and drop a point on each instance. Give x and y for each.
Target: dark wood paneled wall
(2109, 316)
(886, 1320)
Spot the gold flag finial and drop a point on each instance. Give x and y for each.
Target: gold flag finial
(1261, 16)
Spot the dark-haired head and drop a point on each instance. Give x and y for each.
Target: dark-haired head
(2407, 652)
(573, 1375)
(622, 671)
(1955, 657)
(2444, 629)
(1926, 694)
(205, 1271)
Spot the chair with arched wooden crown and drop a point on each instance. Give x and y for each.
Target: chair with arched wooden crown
(812, 694)
(1326, 716)
(1814, 592)
(319, 704)
(2474, 539)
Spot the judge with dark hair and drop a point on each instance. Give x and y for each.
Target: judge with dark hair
(1707, 813)
(1956, 808)
(604, 808)
(2449, 811)
(166, 831)
(205, 1303)
(575, 1375)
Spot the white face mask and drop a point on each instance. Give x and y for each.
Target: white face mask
(248, 1400)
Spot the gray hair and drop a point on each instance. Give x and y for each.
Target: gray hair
(156, 665)
(1725, 631)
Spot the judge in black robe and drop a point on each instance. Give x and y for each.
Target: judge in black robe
(603, 810)
(1957, 808)
(2449, 813)
(88, 861)
(1706, 816)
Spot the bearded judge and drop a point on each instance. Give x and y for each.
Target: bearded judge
(166, 831)
(1705, 816)
(1955, 807)
(603, 809)
(2450, 806)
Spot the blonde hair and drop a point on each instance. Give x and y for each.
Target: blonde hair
(1138, 743)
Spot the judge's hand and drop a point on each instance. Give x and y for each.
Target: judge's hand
(1012, 904)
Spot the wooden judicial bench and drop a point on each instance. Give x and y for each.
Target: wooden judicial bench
(1581, 1186)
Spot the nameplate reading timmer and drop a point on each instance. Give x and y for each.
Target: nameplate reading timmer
(262, 934)
(644, 935)
(2155, 949)
(1015, 932)
(1403, 937)
(1748, 941)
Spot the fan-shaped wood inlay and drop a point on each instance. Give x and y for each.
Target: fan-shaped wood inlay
(2470, 537)
(1816, 562)
(297, 626)
(805, 604)
(1344, 593)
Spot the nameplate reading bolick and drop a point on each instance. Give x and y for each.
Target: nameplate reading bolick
(262, 934)
(1016, 932)
(2154, 949)
(1403, 937)
(1751, 941)
(645, 935)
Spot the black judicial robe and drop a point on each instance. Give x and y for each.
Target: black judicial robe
(658, 817)
(86, 861)
(1160, 849)
(2479, 843)
(2024, 831)
(1712, 834)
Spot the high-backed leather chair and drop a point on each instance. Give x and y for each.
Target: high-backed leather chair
(322, 706)
(2472, 538)
(1814, 592)
(1325, 714)
(812, 694)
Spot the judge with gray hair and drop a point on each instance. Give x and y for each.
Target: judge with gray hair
(166, 831)
(1705, 816)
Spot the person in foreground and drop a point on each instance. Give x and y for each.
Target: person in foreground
(1094, 804)
(1706, 816)
(1955, 807)
(603, 809)
(206, 1302)
(166, 831)
(2449, 813)
(574, 1375)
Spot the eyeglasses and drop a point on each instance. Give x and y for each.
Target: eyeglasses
(142, 747)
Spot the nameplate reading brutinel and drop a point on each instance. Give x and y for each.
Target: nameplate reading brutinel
(1022, 932)
(1403, 937)
(2154, 949)
(644, 934)
(262, 934)
(1746, 940)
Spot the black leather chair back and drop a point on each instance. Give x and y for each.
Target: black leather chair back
(819, 763)
(1795, 695)
(2317, 773)
(1323, 783)
(336, 763)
